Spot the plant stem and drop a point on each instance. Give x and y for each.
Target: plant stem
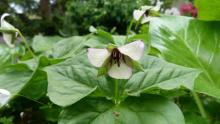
(199, 105)
(129, 30)
(26, 44)
(22, 38)
(116, 92)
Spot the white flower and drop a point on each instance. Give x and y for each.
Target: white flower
(4, 96)
(8, 37)
(144, 14)
(172, 11)
(116, 58)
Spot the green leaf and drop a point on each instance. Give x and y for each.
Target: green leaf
(191, 43)
(96, 42)
(71, 80)
(100, 42)
(44, 43)
(208, 10)
(36, 87)
(105, 35)
(14, 78)
(192, 118)
(144, 110)
(50, 112)
(76, 78)
(5, 55)
(158, 73)
(142, 37)
(68, 47)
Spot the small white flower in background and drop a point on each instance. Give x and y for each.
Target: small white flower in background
(8, 37)
(4, 96)
(172, 11)
(145, 13)
(117, 58)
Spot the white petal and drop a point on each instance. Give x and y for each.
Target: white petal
(135, 50)
(146, 19)
(3, 16)
(137, 14)
(4, 96)
(8, 39)
(5, 24)
(97, 56)
(6, 36)
(121, 72)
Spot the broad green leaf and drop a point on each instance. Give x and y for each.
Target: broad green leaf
(191, 43)
(158, 73)
(9, 55)
(50, 112)
(71, 80)
(25, 80)
(38, 82)
(192, 118)
(14, 78)
(36, 87)
(208, 9)
(96, 42)
(44, 43)
(5, 55)
(119, 39)
(105, 35)
(68, 47)
(100, 42)
(75, 78)
(143, 110)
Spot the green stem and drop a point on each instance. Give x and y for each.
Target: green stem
(26, 44)
(129, 29)
(22, 38)
(116, 92)
(199, 105)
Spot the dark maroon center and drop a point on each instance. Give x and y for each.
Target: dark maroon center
(116, 57)
(147, 13)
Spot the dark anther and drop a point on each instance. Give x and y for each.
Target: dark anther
(116, 57)
(147, 13)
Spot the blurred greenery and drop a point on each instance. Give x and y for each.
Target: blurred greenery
(69, 17)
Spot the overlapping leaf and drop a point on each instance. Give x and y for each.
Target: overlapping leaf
(192, 43)
(44, 43)
(147, 110)
(208, 10)
(75, 78)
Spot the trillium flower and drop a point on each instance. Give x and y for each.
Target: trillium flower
(4, 96)
(8, 37)
(117, 60)
(145, 14)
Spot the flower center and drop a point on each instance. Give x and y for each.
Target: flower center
(116, 57)
(147, 13)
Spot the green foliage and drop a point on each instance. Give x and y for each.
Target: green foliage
(208, 10)
(59, 84)
(196, 42)
(150, 109)
(71, 17)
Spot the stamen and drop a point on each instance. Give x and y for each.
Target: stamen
(116, 57)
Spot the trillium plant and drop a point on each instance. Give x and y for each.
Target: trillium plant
(145, 13)
(118, 61)
(155, 76)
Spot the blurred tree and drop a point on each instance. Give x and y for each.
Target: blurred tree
(69, 17)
